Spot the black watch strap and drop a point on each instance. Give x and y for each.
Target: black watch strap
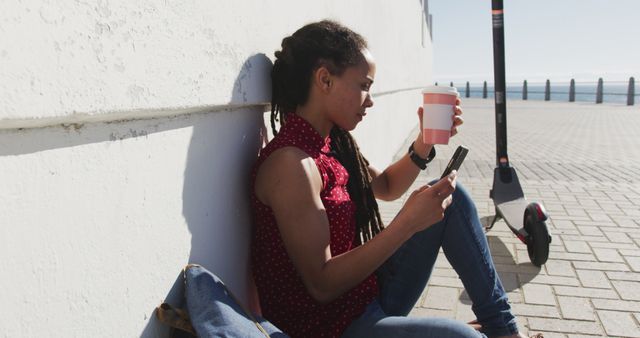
(419, 161)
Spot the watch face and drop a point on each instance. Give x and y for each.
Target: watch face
(432, 154)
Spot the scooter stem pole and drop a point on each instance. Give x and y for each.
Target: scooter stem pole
(502, 160)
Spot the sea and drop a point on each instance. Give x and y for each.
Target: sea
(613, 92)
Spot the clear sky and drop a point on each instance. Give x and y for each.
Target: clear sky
(555, 39)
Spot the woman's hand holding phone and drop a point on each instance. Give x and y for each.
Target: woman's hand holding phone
(426, 205)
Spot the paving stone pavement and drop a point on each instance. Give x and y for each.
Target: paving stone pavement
(582, 162)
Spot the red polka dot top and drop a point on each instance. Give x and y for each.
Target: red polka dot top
(283, 297)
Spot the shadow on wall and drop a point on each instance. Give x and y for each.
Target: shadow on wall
(221, 154)
(222, 151)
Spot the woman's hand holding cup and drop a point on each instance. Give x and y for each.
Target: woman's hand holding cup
(420, 146)
(440, 114)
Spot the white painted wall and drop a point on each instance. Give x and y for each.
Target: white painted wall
(148, 116)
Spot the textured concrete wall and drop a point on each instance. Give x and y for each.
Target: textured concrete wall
(148, 118)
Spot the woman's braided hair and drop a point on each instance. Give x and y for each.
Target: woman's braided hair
(329, 44)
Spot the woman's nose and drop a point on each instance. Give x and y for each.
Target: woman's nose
(368, 102)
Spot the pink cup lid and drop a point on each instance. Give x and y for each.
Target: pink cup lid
(440, 90)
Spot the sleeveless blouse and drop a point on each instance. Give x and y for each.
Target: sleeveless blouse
(283, 296)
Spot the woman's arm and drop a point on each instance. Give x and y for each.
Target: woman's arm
(394, 181)
(289, 182)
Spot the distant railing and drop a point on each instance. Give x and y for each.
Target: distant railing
(584, 91)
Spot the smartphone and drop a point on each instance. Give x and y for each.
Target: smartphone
(456, 161)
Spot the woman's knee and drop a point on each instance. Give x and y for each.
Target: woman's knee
(460, 193)
(462, 203)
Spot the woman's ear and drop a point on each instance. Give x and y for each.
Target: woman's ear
(323, 79)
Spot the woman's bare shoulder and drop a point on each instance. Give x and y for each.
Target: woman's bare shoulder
(285, 168)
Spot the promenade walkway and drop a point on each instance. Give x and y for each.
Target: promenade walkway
(582, 161)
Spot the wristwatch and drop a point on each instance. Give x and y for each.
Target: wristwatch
(419, 161)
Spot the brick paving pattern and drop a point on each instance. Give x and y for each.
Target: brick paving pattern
(582, 162)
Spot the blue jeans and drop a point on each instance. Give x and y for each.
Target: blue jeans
(403, 277)
(214, 311)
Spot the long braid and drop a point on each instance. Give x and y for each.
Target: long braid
(368, 220)
(335, 46)
(276, 93)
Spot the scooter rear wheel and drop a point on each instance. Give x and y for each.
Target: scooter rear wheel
(537, 241)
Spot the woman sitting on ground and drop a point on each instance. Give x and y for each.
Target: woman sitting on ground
(323, 262)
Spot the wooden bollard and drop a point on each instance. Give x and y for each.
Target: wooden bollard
(467, 92)
(572, 91)
(484, 90)
(547, 91)
(525, 90)
(599, 91)
(631, 93)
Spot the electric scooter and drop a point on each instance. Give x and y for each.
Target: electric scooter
(526, 220)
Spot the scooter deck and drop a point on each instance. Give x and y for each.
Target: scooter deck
(509, 199)
(513, 213)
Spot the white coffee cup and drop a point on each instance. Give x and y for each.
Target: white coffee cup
(437, 117)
